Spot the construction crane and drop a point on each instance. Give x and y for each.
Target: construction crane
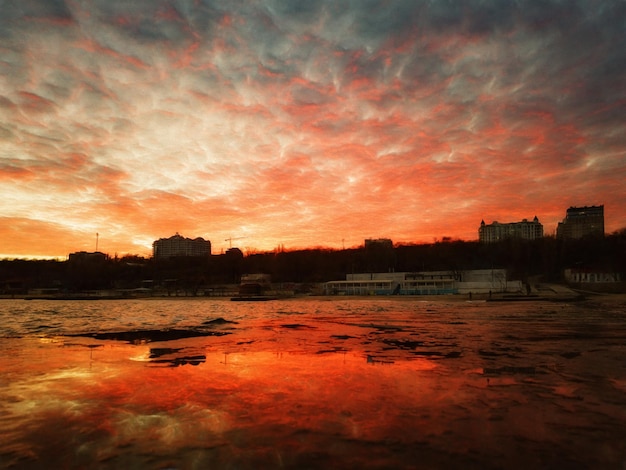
(230, 240)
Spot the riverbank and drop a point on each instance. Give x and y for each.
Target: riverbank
(453, 298)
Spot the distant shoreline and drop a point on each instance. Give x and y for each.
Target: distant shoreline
(477, 298)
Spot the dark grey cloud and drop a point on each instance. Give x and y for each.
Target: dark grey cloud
(52, 10)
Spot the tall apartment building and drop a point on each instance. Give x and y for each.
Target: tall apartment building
(580, 222)
(496, 231)
(178, 245)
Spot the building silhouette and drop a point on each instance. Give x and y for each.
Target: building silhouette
(495, 232)
(378, 243)
(178, 245)
(581, 222)
(87, 257)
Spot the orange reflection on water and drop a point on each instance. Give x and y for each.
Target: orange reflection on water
(111, 398)
(305, 391)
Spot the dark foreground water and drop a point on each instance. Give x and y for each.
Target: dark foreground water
(341, 383)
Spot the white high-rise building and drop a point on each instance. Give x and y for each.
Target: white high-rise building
(496, 231)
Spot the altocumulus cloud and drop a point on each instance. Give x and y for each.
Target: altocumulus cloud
(304, 123)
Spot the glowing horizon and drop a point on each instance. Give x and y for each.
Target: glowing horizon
(316, 124)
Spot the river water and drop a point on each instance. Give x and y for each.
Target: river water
(312, 383)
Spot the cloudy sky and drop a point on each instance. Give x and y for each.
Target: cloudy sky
(303, 124)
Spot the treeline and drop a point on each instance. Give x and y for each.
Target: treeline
(547, 258)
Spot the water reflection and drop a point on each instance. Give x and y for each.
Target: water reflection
(371, 387)
(259, 408)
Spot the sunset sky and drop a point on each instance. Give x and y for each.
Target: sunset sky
(304, 123)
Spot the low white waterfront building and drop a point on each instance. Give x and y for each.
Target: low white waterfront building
(591, 276)
(424, 283)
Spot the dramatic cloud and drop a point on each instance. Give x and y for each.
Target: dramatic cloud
(316, 123)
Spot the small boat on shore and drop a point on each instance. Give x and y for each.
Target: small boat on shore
(254, 288)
